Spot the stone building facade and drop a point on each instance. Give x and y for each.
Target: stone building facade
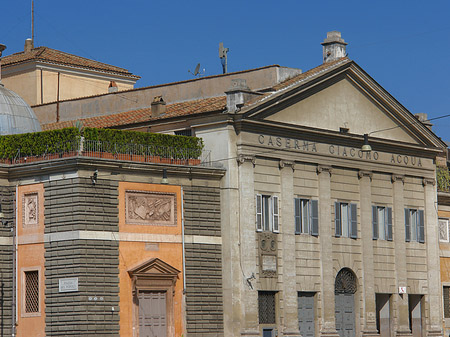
(103, 248)
(328, 204)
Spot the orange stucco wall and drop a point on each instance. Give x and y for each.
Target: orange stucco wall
(30, 256)
(133, 253)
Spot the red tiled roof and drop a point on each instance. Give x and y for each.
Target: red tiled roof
(46, 54)
(144, 115)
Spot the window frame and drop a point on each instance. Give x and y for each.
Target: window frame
(267, 213)
(414, 225)
(387, 225)
(23, 291)
(352, 219)
(312, 218)
(447, 240)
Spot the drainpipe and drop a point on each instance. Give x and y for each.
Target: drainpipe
(14, 263)
(182, 240)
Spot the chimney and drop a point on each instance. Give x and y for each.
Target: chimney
(333, 47)
(238, 94)
(158, 106)
(423, 117)
(2, 48)
(113, 87)
(28, 45)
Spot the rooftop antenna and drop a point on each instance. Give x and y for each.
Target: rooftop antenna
(197, 71)
(32, 22)
(223, 57)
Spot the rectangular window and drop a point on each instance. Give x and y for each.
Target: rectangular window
(266, 307)
(443, 230)
(382, 223)
(185, 132)
(267, 213)
(306, 214)
(31, 285)
(346, 220)
(414, 225)
(446, 293)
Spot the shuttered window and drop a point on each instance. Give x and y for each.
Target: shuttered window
(306, 216)
(267, 213)
(414, 225)
(382, 223)
(346, 220)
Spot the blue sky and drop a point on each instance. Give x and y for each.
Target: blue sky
(404, 46)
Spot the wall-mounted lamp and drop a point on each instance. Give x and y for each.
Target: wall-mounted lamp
(366, 146)
(94, 177)
(164, 179)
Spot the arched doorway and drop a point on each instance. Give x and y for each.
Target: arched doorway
(345, 287)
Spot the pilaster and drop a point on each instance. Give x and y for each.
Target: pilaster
(365, 192)
(434, 301)
(290, 305)
(400, 300)
(328, 323)
(247, 246)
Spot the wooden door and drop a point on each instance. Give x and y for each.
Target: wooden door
(345, 314)
(152, 314)
(306, 314)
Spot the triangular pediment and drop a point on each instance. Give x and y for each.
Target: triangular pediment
(343, 97)
(153, 267)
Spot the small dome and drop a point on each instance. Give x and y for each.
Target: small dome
(16, 116)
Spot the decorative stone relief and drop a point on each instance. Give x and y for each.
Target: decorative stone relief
(241, 159)
(397, 177)
(267, 254)
(30, 210)
(150, 208)
(362, 174)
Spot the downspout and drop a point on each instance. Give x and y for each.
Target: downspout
(42, 88)
(14, 263)
(184, 264)
(57, 100)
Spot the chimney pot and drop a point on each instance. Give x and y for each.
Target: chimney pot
(158, 106)
(113, 87)
(28, 45)
(334, 47)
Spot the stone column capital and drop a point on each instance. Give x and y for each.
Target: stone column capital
(324, 168)
(287, 163)
(398, 177)
(241, 159)
(426, 181)
(362, 174)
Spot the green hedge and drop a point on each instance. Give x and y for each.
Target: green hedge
(115, 141)
(443, 179)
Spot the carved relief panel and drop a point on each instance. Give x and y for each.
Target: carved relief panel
(30, 210)
(267, 254)
(150, 208)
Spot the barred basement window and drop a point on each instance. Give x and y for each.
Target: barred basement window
(446, 302)
(31, 291)
(266, 304)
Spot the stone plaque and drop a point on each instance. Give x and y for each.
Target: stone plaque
(269, 263)
(150, 208)
(30, 209)
(68, 284)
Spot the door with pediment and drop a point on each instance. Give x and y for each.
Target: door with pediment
(152, 314)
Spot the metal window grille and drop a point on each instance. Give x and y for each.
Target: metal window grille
(447, 302)
(32, 291)
(266, 301)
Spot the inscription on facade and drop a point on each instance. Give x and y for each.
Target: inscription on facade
(150, 208)
(30, 209)
(336, 150)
